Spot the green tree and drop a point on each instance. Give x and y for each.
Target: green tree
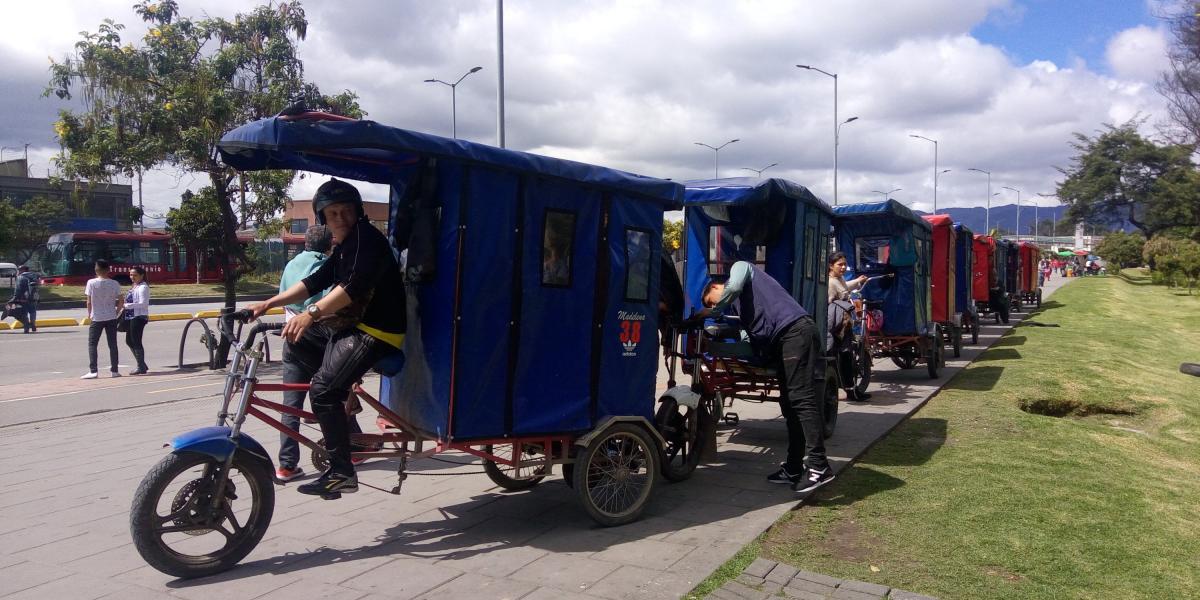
(1119, 175)
(25, 229)
(672, 235)
(168, 100)
(1180, 84)
(1121, 249)
(197, 224)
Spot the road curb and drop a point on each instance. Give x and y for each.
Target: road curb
(68, 322)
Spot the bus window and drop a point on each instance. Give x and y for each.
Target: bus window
(84, 252)
(150, 253)
(120, 253)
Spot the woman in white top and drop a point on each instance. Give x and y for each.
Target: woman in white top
(839, 288)
(137, 313)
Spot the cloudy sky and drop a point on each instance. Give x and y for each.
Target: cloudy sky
(1001, 84)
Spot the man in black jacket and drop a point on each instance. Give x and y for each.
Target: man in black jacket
(358, 322)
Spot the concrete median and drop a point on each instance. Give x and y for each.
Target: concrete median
(69, 322)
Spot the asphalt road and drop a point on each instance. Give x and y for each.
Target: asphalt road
(39, 372)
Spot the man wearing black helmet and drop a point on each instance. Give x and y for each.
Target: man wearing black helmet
(359, 321)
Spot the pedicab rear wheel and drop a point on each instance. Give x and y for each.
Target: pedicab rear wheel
(933, 354)
(957, 344)
(862, 369)
(615, 474)
(682, 428)
(177, 529)
(512, 478)
(905, 357)
(975, 330)
(829, 408)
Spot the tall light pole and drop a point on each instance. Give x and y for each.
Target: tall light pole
(1018, 209)
(500, 72)
(935, 169)
(885, 194)
(717, 153)
(836, 125)
(837, 137)
(759, 171)
(987, 215)
(454, 99)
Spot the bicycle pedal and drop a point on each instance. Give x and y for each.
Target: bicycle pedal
(333, 496)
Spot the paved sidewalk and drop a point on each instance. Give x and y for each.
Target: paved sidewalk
(66, 487)
(764, 579)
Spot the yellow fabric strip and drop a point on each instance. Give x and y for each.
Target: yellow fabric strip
(392, 339)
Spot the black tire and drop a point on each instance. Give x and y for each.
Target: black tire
(933, 355)
(905, 357)
(862, 370)
(681, 428)
(1039, 298)
(829, 409)
(975, 331)
(957, 343)
(1002, 312)
(189, 514)
(616, 473)
(511, 478)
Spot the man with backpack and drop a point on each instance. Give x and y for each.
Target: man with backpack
(25, 298)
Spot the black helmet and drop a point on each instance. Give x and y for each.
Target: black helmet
(336, 191)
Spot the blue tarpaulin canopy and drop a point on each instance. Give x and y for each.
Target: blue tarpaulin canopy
(534, 307)
(774, 223)
(886, 238)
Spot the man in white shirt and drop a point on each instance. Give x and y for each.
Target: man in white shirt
(103, 303)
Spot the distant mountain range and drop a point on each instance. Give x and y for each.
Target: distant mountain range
(1003, 216)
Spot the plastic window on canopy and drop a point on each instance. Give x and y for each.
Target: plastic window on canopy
(871, 253)
(558, 241)
(637, 260)
(720, 259)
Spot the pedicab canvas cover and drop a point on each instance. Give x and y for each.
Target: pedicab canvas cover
(941, 267)
(775, 224)
(532, 309)
(964, 266)
(1030, 254)
(882, 238)
(984, 271)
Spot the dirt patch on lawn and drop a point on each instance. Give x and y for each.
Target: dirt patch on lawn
(844, 539)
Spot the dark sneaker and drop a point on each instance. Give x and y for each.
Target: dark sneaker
(330, 485)
(288, 473)
(813, 479)
(783, 476)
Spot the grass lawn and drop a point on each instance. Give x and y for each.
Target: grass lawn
(974, 497)
(50, 293)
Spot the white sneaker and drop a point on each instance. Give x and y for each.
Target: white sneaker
(116, 373)
(91, 375)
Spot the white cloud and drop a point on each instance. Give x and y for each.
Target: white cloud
(632, 85)
(1139, 53)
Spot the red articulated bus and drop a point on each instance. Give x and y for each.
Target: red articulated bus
(68, 258)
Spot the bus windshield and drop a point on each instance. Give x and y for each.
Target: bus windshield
(51, 259)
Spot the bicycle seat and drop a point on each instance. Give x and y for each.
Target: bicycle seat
(722, 331)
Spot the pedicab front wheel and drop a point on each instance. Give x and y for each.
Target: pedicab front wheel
(181, 528)
(615, 474)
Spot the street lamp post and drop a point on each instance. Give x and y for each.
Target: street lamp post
(987, 215)
(885, 194)
(1018, 210)
(717, 153)
(759, 171)
(935, 169)
(836, 125)
(454, 99)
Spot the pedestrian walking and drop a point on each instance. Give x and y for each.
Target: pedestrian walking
(137, 315)
(317, 242)
(103, 303)
(23, 304)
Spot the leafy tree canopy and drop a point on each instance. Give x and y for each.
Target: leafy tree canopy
(1119, 175)
(25, 229)
(1121, 249)
(167, 100)
(1180, 84)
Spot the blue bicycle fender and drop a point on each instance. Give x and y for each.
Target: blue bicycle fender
(215, 442)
